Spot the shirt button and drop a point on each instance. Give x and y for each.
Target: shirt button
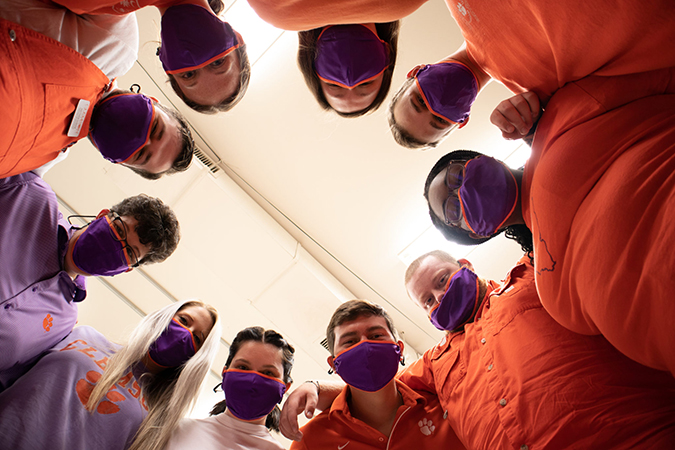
(490, 367)
(35, 289)
(12, 35)
(502, 402)
(381, 439)
(524, 447)
(445, 414)
(8, 305)
(483, 341)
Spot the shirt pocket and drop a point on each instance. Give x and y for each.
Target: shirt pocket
(449, 371)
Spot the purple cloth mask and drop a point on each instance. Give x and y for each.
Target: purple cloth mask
(449, 89)
(97, 252)
(251, 395)
(174, 346)
(193, 37)
(368, 365)
(460, 302)
(349, 55)
(121, 125)
(488, 195)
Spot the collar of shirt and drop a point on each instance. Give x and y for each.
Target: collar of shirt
(65, 232)
(340, 405)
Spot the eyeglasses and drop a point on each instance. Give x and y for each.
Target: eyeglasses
(118, 231)
(452, 207)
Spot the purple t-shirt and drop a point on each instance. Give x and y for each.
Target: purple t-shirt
(45, 408)
(37, 297)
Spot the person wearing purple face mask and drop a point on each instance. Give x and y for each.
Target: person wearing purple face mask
(101, 395)
(46, 261)
(256, 376)
(509, 376)
(434, 100)
(348, 68)
(374, 410)
(59, 67)
(203, 56)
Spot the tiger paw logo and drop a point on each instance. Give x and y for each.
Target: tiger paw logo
(426, 426)
(84, 388)
(47, 322)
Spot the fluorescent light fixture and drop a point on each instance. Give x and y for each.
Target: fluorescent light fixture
(518, 156)
(432, 239)
(258, 34)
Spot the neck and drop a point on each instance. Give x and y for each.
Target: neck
(260, 421)
(151, 366)
(377, 409)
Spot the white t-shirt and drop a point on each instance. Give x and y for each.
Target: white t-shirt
(221, 432)
(109, 41)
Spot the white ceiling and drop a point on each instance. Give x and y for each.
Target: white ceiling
(307, 210)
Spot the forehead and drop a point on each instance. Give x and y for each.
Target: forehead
(362, 323)
(199, 314)
(260, 353)
(423, 278)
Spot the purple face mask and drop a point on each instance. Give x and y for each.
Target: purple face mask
(460, 302)
(193, 37)
(174, 346)
(121, 125)
(349, 55)
(449, 89)
(488, 195)
(251, 395)
(97, 252)
(368, 365)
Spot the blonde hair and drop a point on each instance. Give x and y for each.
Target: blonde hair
(174, 394)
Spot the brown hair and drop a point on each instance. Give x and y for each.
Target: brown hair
(352, 310)
(307, 51)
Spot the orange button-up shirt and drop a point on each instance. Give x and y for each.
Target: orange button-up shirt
(42, 83)
(540, 45)
(419, 424)
(599, 196)
(516, 379)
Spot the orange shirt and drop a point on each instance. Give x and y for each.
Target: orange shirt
(300, 15)
(419, 424)
(540, 45)
(516, 379)
(118, 7)
(39, 93)
(599, 197)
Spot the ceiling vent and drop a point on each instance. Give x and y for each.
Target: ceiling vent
(206, 161)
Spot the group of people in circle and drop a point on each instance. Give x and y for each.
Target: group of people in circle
(573, 349)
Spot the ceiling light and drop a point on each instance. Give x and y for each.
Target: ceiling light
(258, 34)
(432, 239)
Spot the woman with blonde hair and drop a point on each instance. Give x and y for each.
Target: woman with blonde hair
(87, 392)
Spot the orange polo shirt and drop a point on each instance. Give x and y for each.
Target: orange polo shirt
(516, 379)
(540, 45)
(419, 424)
(117, 7)
(599, 197)
(42, 83)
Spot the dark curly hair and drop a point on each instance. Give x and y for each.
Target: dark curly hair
(157, 226)
(307, 51)
(519, 233)
(259, 334)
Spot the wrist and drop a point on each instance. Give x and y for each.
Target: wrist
(315, 383)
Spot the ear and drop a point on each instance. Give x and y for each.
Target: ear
(104, 212)
(330, 360)
(401, 346)
(288, 386)
(414, 70)
(465, 263)
(461, 125)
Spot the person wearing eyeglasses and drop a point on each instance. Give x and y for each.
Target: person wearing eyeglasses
(44, 262)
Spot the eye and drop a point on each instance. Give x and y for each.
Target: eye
(187, 75)
(269, 373)
(183, 320)
(198, 340)
(441, 121)
(218, 62)
(241, 366)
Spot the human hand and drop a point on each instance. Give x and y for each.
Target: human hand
(303, 398)
(517, 115)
